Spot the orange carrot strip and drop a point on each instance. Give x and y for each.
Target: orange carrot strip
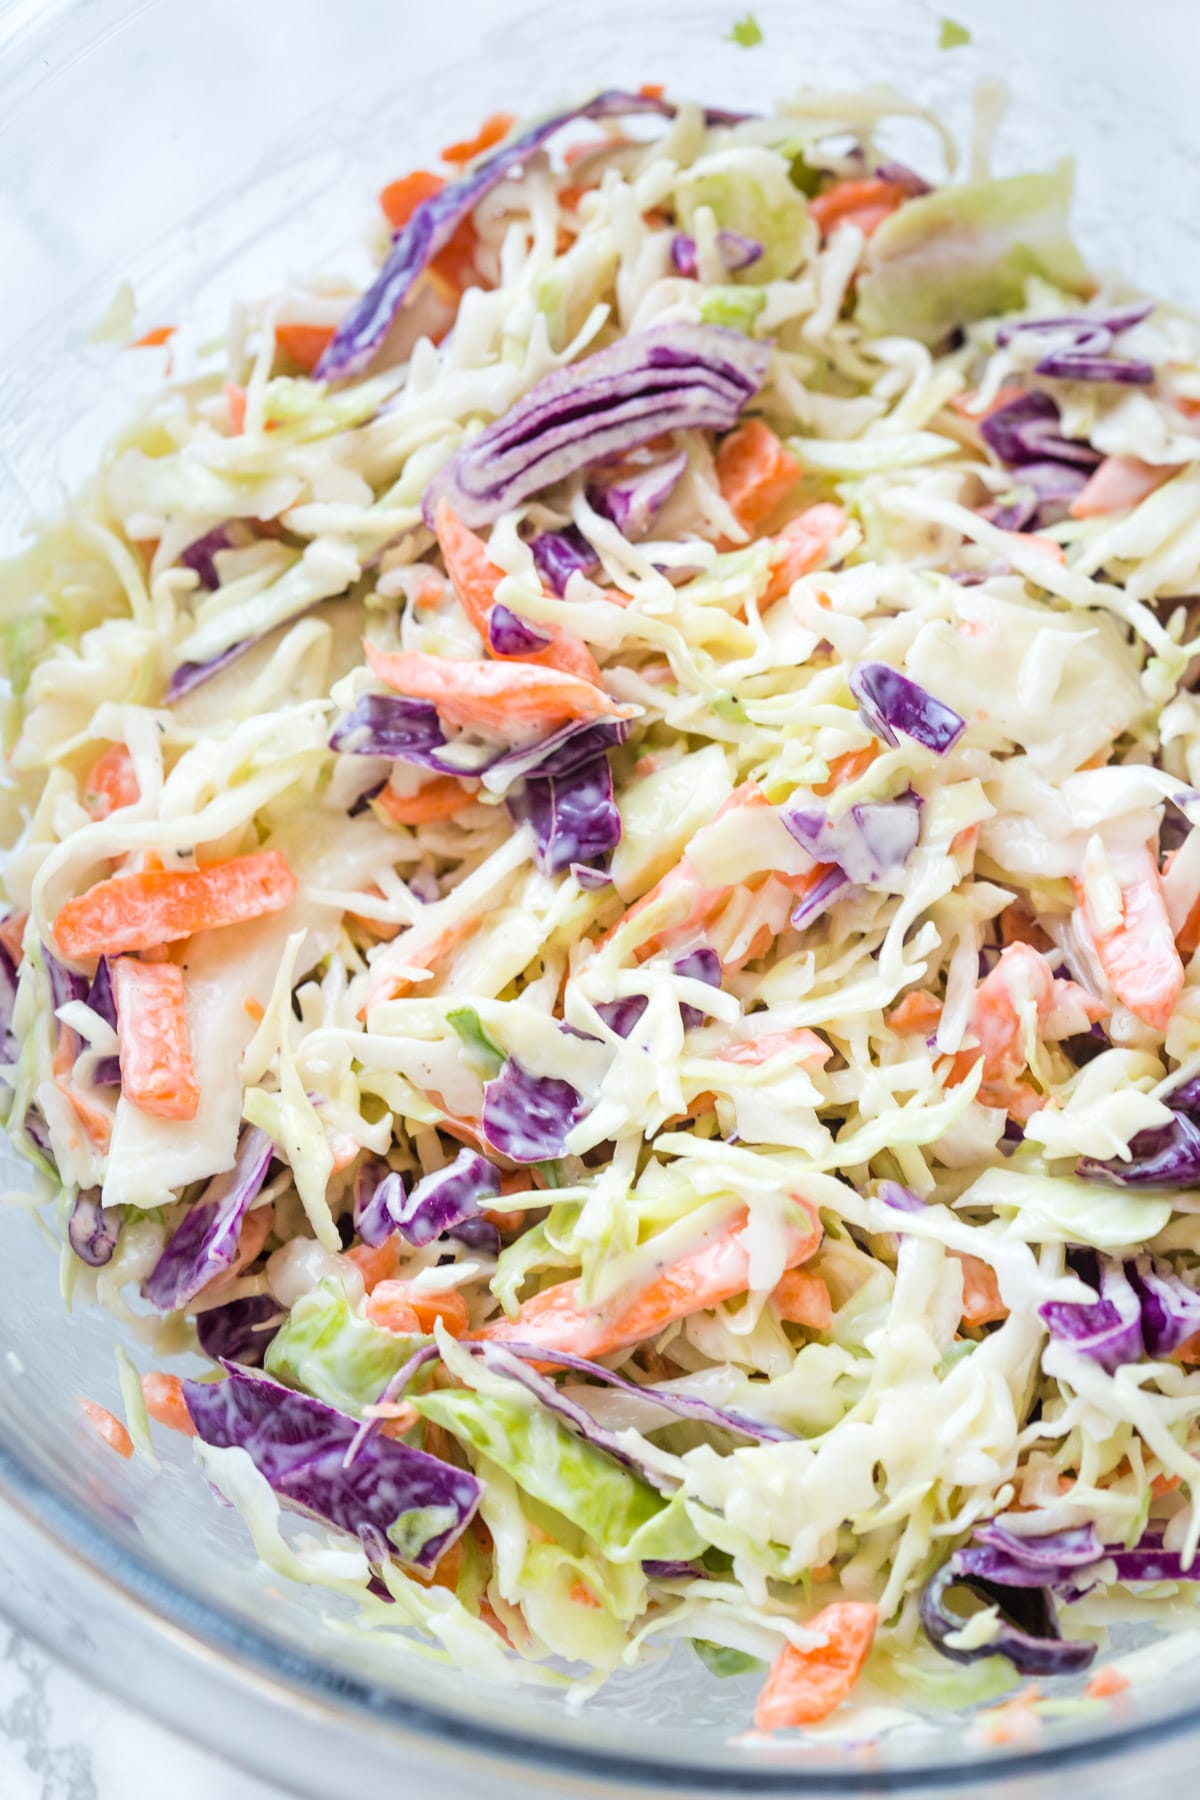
(1105, 1684)
(852, 201)
(717, 1271)
(801, 1045)
(806, 1685)
(916, 1012)
(235, 402)
(801, 546)
(496, 695)
(475, 581)
(153, 339)
(438, 799)
(400, 199)
(1118, 483)
(491, 132)
(652, 90)
(982, 1304)
(12, 935)
(847, 768)
(802, 1298)
(156, 1055)
(110, 783)
(396, 1299)
(141, 911)
(107, 1427)
(303, 344)
(754, 472)
(375, 1264)
(1139, 958)
(165, 1403)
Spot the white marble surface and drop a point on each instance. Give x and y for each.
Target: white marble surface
(61, 1739)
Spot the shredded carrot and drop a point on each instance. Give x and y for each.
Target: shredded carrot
(802, 1298)
(652, 90)
(110, 783)
(1120, 482)
(107, 1428)
(390, 1300)
(800, 1046)
(581, 1594)
(253, 1009)
(303, 344)
(865, 203)
(1165, 1484)
(1105, 1684)
(982, 1304)
(438, 799)
(493, 131)
(152, 1030)
(1139, 957)
(235, 404)
(153, 339)
(806, 1685)
(917, 1012)
(142, 911)
(495, 695)
(755, 473)
(475, 580)
(165, 1403)
(802, 546)
(717, 1271)
(847, 768)
(400, 199)
(375, 1263)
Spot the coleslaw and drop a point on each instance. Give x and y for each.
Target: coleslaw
(602, 903)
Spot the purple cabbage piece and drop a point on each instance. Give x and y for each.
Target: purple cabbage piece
(594, 878)
(1108, 1330)
(448, 1198)
(902, 1198)
(737, 250)
(189, 675)
(388, 725)
(902, 176)
(106, 1072)
(100, 995)
(672, 377)
(658, 1569)
(558, 555)
(1150, 1562)
(379, 1195)
(1028, 1635)
(479, 1235)
(871, 840)
(436, 220)
(199, 557)
(1045, 491)
(1046, 1557)
(528, 1117)
(502, 1360)
(622, 1015)
(1170, 1307)
(1186, 1097)
(8, 997)
(634, 501)
(1026, 430)
(1162, 1156)
(65, 985)
(564, 751)
(700, 965)
(205, 1244)
(686, 1406)
(819, 897)
(92, 1230)
(683, 255)
(300, 1445)
(510, 635)
(1084, 356)
(241, 1330)
(573, 817)
(891, 703)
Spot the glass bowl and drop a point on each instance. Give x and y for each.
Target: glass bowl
(206, 151)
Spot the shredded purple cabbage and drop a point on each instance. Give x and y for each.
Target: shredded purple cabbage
(510, 635)
(699, 965)
(1163, 1156)
(449, 1199)
(388, 725)
(205, 1244)
(1170, 1306)
(379, 1195)
(93, 1230)
(199, 557)
(1083, 343)
(1026, 430)
(241, 1330)
(871, 840)
(818, 898)
(1028, 1635)
(100, 996)
(300, 1445)
(528, 1117)
(573, 817)
(891, 703)
(634, 501)
(1109, 1329)
(65, 985)
(671, 377)
(902, 1198)
(189, 675)
(436, 220)
(558, 555)
(737, 252)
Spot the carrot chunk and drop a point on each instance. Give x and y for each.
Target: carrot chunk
(111, 783)
(160, 906)
(109, 1429)
(1139, 955)
(755, 473)
(806, 1685)
(496, 695)
(152, 1031)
